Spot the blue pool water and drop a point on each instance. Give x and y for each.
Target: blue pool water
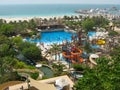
(95, 46)
(53, 37)
(90, 34)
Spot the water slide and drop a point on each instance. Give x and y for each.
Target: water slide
(74, 56)
(101, 42)
(92, 58)
(65, 55)
(76, 61)
(77, 52)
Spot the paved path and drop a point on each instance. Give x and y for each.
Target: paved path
(34, 83)
(42, 84)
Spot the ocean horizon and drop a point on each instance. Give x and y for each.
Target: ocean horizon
(42, 10)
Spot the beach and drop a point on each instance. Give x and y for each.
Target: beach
(8, 19)
(17, 19)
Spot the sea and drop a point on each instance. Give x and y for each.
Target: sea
(34, 10)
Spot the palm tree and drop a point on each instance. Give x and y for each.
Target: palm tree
(65, 17)
(80, 16)
(55, 49)
(72, 18)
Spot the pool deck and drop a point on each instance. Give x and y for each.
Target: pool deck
(57, 30)
(51, 30)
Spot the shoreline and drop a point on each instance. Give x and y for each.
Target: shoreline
(9, 19)
(27, 18)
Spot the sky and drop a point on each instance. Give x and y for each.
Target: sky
(59, 1)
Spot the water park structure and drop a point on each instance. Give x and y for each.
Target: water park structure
(92, 58)
(72, 54)
(100, 42)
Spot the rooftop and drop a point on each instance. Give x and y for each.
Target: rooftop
(47, 84)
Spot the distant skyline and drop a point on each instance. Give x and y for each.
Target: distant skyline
(59, 1)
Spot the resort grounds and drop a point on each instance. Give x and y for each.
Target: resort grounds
(72, 60)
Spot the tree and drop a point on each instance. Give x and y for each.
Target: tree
(100, 21)
(17, 40)
(113, 33)
(88, 48)
(6, 46)
(6, 50)
(27, 49)
(4, 39)
(7, 29)
(6, 68)
(55, 49)
(66, 17)
(2, 22)
(73, 24)
(88, 24)
(32, 53)
(105, 76)
(58, 68)
(32, 24)
(79, 67)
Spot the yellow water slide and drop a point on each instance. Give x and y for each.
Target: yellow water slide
(101, 42)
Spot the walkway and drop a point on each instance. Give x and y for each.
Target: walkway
(42, 84)
(34, 83)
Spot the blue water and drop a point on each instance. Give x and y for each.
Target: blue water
(90, 34)
(33, 10)
(95, 46)
(53, 37)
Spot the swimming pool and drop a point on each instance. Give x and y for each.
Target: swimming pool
(91, 34)
(53, 37)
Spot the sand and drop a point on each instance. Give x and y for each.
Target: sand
(8, 19)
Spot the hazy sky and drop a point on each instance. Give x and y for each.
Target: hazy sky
(60, 1)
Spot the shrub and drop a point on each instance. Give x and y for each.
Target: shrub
(34, 75)
(79, 67)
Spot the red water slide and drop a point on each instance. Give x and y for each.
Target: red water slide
(74, 56)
